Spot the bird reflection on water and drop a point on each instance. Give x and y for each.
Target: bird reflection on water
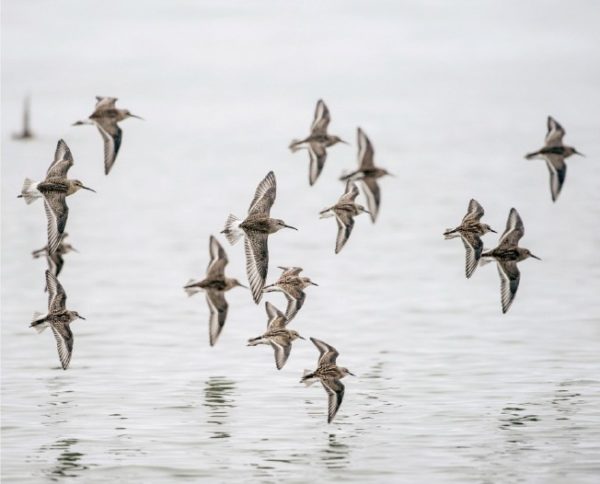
(218, 398)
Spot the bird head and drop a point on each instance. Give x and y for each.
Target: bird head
(337, 139)
(78, 184)
(346, 371)
(295, 335)
(529, 254)
(236, 283)
(280, 224)
(487, 228)
(75, 314)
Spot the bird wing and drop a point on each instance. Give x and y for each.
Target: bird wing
(318, 155)
(373, 194)
(277, 319)
(295, 299)
(57, 212)
(558, 172)
(57, 297)
(555, 133)
(282, 347)
(473, 248)
(257, 261)
(335, 392)
(264, 196)
(64, 342)
(350, 193)
(112, 136)
(63, 160)
(290, 271)
(514, 230)
(345, 223)
(328, 354)
(217, 305)
(509, 282)
(103, 102)
(366, 152)
(474, 211)
(218, 260)
(322, 118)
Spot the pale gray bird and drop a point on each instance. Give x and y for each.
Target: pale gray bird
(292, 286)
(215, 285)
(54, 189)
(58, 318)
(329, 374)
(470, 231)
(317, 142)
(367, 173)
(554, 154)
(277, 335)
(507, 254)
(256, 228)
(105, 117)
(344, 211)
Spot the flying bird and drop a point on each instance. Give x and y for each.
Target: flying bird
(344, 211)
(277, 335)
(256, 229)
(215, 285)
(26, 133)
(54, 189)
(58, 318)
(317, 142)
(55, 260)
(367, 173)
(554, 154)
(507, 254)
(292, 286)
(105, 117)
(329, 374)
(470, 231)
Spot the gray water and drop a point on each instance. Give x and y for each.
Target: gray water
(452, 94)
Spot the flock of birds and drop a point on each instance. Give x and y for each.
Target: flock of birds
(255, 229)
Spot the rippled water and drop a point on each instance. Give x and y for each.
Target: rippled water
(448, 388)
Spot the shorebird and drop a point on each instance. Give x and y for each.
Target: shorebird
(554, 154)
(329, 374)
(215, 284)
(105, 117)
(26, 132)
(55, 188)
(55, 260)
(344, 211)
(317, 142)
(367, 173)
(292, 286)
(256, 227)
(470, 231)
(507, 254)
(58, 318)
(277, 335)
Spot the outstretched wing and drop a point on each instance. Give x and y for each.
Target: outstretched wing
(322, 118)
(558, 172)
(345, 224)
(514, 230)
(328, 354)
(555, 133)
(350, 193)
(318, 155)
(290, 271)
(64, 342)
(218, 260)
(473, 248)
(335, 394)
(373, 194)
(295, 298)
(57, 297)
(474, 212)
(509, 282)
(277, 319)
(365, 151)
(57, 213)
(264, 196)
(217, 305)
(112, 136)
(63, 160)
(257, 262)
(282, 347)
(103, 102)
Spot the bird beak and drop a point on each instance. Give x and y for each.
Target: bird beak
(88, 188)
(351, 374)
(492, 230)
(81, 317)
(74, 249)
(578, 153)
(391, 174)
(302, 337)
(241, 285)
(345, 142)
(138, 117)
(535, 257)
(313, 283)
(290, 227)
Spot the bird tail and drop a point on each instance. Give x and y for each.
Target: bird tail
(308, 378)
(451, 234)
(485, 259)
(37, 322)
(255, 341)
(232, 230)
(531, 156)
(190, 291)
(29, 191)
(349, 175)
(295, 145)
(326, 212)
